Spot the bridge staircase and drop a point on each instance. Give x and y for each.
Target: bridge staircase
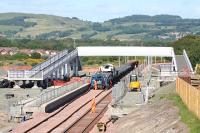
(57, 66)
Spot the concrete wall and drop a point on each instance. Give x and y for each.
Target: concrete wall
(62, 100)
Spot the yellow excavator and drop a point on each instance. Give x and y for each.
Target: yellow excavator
(134, 83)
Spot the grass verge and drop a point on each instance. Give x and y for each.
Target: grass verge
(186, 116)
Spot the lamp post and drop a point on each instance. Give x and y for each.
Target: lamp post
(74, 42)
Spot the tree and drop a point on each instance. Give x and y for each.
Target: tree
(36, 55)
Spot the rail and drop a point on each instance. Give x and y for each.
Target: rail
(71, 110)
(56, 92)
(50, 61)
(171, 75)
(20, 75)
(71, 56)
(101, 103)
(167, 73)
(174, 61)
(187, 60)
(120, 89)
(166, 67)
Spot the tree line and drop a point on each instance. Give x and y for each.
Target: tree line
(190, 43)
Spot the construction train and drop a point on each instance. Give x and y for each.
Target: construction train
(108, 75)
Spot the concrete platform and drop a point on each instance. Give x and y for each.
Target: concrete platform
(62, 100)
(57, 102)
(131, 99)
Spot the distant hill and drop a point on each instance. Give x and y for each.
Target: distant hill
(20, 25)
(135, 27)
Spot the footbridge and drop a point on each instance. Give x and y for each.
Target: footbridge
(65, 62)
(56, 67)
(184, 68)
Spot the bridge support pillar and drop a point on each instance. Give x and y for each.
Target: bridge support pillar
(64, 70)
(68, 70)
(24, 83)
(52, 76)
(47, 82)
(149, 61)
(35, 84)
(60, 73)
(75, 67)
(173, 65)
(56, 74)
(17, 86)
(119, 61)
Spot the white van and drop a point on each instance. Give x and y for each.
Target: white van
(107, 68)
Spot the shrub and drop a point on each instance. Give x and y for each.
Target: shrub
(36, 55)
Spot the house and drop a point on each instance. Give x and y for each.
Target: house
(52, 53)
(13, 50)
(2, 35)
(3, 52)
(26, 51)
(8, 51)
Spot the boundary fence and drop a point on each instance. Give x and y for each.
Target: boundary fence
(189, 95)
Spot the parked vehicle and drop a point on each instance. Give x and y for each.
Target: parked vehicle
(105, 79)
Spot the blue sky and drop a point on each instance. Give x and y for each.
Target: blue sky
(101, 10)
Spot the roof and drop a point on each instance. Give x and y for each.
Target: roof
(125, 51)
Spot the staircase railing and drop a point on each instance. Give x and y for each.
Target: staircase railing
(187, 61)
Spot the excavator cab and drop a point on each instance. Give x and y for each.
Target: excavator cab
(134, 83)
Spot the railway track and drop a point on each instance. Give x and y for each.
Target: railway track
(65, 119)
(86, 122)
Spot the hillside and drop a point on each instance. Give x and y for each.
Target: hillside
(135, 27)
(20, 25)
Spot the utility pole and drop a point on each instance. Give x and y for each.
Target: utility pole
(142, 44)
(74, 39)
(119, 61)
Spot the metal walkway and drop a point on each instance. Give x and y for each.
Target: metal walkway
(183, 62)
(55, 66)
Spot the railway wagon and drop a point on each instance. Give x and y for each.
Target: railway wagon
(105, 80)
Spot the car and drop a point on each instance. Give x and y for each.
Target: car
(107, 68)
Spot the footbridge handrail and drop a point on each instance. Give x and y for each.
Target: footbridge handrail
(43, 70)
(64, 59)
(28, 74)
(50, 60)
(187, 60)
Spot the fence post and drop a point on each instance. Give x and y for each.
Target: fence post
(187, 95)
(198, 109)
(177, 85)
(147, 94)
(189, 103)
(197, 101)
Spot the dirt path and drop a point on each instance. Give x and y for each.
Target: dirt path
(5, 126)
(159, 116)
